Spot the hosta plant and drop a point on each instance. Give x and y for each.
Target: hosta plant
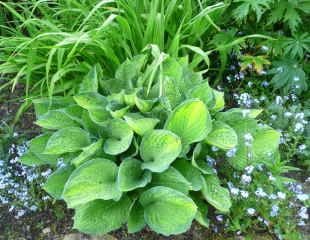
(136, 153)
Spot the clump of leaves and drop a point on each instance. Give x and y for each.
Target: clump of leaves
(137, 154)
(288, 76)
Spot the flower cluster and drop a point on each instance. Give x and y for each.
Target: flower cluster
(17, 184)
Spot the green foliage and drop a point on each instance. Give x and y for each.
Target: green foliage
(288, 76)
(246, 7)
(147, 166)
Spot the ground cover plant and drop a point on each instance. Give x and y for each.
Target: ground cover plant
(158, 113)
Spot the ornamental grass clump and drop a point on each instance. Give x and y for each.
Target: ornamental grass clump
(134, 147)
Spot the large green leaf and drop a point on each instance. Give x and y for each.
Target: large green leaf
(215, 194)
(131, 175)
(55, 183)
(191, 173)
(191, 121)
(140, 124)
(96, 105)
(90, 81)
(263, 148)
(167, 211)
(171, 178)
(222, 136)
(219, 101)
(100, 217)
(87, 152)
(120, 137)
(34, 156)
(265, 144)
(136, 218)
(95, 179)
(202, 209)
(90, 101)
(43, 105)
(203, 92)
(55, 119)
(199, 159)
(65, 140)
(158, 149)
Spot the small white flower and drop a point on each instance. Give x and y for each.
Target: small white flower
(302, 147)
(272, 196)
(281, 195)
(299, 127)
(251, 211)
(246, 179)
(288, 114)
(296, 78)
(219, 218)
(271, 177)
(46, 173)
(244, 194)
(273, 117)
(249, 169)
(280, 69)
(279, 100)
(301, 223)
(302, 213)
(260, 192)
(231, 153)
(274, 210)
(265, 48)
(214, 149)
(234, 191)
(302, 197)
(248, 137)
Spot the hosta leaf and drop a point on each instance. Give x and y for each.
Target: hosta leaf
(129, 70)
(202, 209)
(55, 119)
(90, 81)
(263, 148)
(191, 121)
(265, 144)
(167, 211)
(100, 217)
(203, 92)
(96, 105)
(171, 178)
(136, 218)
(215, 194)
(87, 152)
(144, 105)
(141, 125)
(120, 137)
(237, 113)
(158, 149)
(90, 100)
(43, 105)
(191, 173)
(117, 111)
(199, 160)
(95, 179)
(55, 183)
(131, 175)
(219, 101)
(222, 136)
(34, 156)
(70, 139)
